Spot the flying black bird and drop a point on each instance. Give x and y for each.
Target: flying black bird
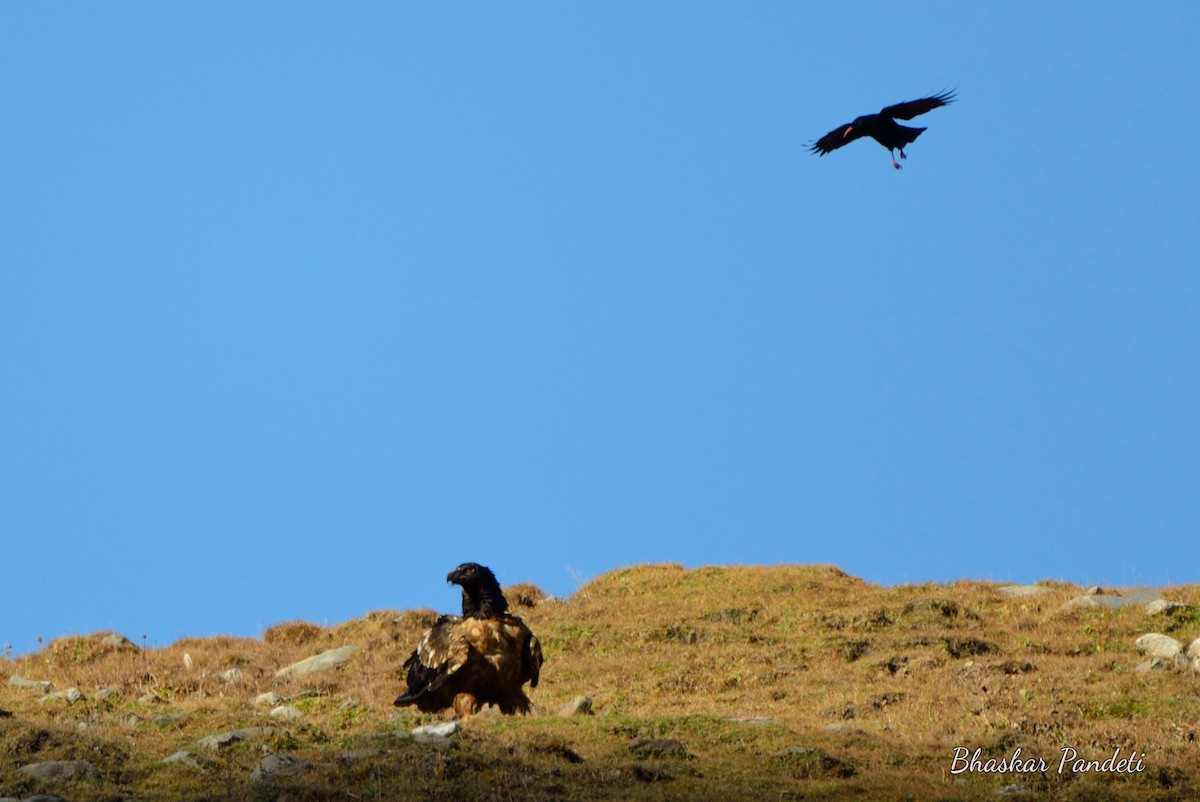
(882, 127)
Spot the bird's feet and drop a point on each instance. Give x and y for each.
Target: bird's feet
(896, 164)
(902, 156)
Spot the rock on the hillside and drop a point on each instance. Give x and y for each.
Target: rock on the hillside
(43, 686)
(70, 695)
(1160, 606)
(104, 693)
(351, 755)
(268, 699)
(62, 770)
(1095, 598)
(1193, 649)
(579, 706)
(1162, 664)
(1158, 645)
(286, 713)
(231, 675)
(445, 729)
(331, 658)
(1018, 591)
(438, 734)
(658, 747)
(224, 739)
(186, 758)
(275, 765)
(117, 641)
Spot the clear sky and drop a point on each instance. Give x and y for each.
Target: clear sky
(303, 304)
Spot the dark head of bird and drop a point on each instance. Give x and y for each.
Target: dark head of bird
(481, 594)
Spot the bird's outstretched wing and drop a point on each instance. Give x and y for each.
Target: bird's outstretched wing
(839, 136)
(911, 108)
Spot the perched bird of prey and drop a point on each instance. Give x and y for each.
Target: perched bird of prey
(482, 657)
(882, 127)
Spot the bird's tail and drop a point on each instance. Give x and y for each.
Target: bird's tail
(910, 134)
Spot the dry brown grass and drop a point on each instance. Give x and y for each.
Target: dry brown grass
(867, 691)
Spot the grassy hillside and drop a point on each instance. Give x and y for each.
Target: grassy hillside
(786, 682)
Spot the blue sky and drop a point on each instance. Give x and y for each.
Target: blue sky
(302, 304)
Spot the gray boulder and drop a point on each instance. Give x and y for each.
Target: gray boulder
(1160, 606)
(1096, 599)
(62, 770)
(43, 686)
(1021, 591)
(186, 758)
(70, 696)
(579, 706)
(224, 739)
(436, 734)
(1158, 645)
(286, 713)
(326, 660)
(275, 765)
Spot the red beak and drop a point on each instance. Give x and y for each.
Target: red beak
(846, 133)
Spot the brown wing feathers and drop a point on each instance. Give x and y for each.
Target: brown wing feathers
(483, 657)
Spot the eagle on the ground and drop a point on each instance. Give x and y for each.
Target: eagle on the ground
(482, 657)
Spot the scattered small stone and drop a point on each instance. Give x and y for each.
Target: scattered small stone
(70, 695)
(43, 686)
(1160, 606)
(276, 765)
(352, 755)
(104, 693)
(1013, 789)
(1021, 591)
(62, 770)
(1158, 645)
(1193, 649)
(1096, 598)
(131, 720)
(324, 661)
(436, 734)
(286, 713)
(757, 720)
(812, 763)
(268, 699)
(439, 730)
(1153, 664)
(231, 675)
(186, 758)
(650, 774)
(187, 661)
(659, 747)
(116, 641)
(579, 706)
(150, 699)
(224, 739)
(839, 727)
(167, 718)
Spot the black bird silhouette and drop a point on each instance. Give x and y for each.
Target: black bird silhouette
(882, 127)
